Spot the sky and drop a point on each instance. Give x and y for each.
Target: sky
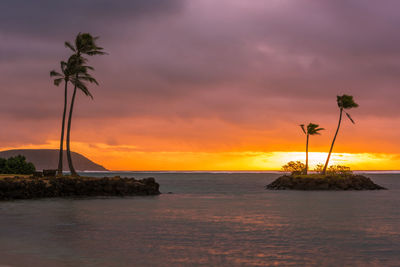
(205, 84)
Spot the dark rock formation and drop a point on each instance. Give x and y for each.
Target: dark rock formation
(348, 182)
(49, 173)
(29, 188)
(48, 159)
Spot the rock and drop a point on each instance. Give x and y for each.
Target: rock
(49, 173)
(27, 188)
(37, 174)
(348, 182)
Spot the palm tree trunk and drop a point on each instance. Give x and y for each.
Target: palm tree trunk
(333, 142)
(306, 170)
(71, 166)
(60, 159)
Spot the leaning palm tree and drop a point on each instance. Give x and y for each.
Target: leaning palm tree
(67, 71)
(79, 80)
(85, 44)
(312, 129)
(344, 102)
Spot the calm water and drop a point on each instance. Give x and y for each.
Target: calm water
(211, 219)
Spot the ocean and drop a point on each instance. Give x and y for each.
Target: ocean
(207, 219)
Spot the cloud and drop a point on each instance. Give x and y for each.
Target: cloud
(194, 72)
(50, 19)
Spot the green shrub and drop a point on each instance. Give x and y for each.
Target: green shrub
(339, 170)
(319, 168)
(16, 165)
(294, 167)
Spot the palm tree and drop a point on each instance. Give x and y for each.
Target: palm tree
(85, 44)
(344, 102)
(79, 79)
(67, 71)
(312, 129)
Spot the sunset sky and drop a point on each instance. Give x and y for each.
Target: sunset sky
(205, 84)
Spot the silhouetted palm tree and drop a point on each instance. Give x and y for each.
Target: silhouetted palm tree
(312, 129)
(344, 102)
(67, 71)
(79, 81)
(85, 44)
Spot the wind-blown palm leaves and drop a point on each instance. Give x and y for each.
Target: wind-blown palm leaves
(85, 44)
(344, 103)
(76, 72)
(312, 129)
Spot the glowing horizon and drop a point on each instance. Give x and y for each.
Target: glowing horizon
(119, 158)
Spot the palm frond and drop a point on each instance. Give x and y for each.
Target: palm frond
(96, 52)
(302, 127)
(317, 131)
(70, 46)
(58, 81)
(88, 67)
(348, 116)
(84, 89)
(312, 129)
(54, 73)
(88, 78)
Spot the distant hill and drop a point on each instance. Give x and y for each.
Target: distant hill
(48, 159)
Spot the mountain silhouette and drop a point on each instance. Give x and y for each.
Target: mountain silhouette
(48, 159)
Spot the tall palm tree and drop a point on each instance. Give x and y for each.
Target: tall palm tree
(67, 71)
(85, 44)
(344, 102)
(312, 129)
(79, 79)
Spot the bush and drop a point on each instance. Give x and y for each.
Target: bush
(334, 169)
(294, 167)
(339, 170)
(16, 165)
(319, 168)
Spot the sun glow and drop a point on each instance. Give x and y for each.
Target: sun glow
(132, 158)
(359, 161)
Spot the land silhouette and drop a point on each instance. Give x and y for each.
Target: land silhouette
(44, 159)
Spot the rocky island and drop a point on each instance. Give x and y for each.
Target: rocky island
(322, 182)
(19, 187)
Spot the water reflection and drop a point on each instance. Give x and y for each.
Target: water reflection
(233, 223)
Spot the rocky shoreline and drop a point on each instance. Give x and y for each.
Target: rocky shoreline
(48, 187)
(348, 182)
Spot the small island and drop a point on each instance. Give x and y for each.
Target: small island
(323, 182)
(337, 178)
